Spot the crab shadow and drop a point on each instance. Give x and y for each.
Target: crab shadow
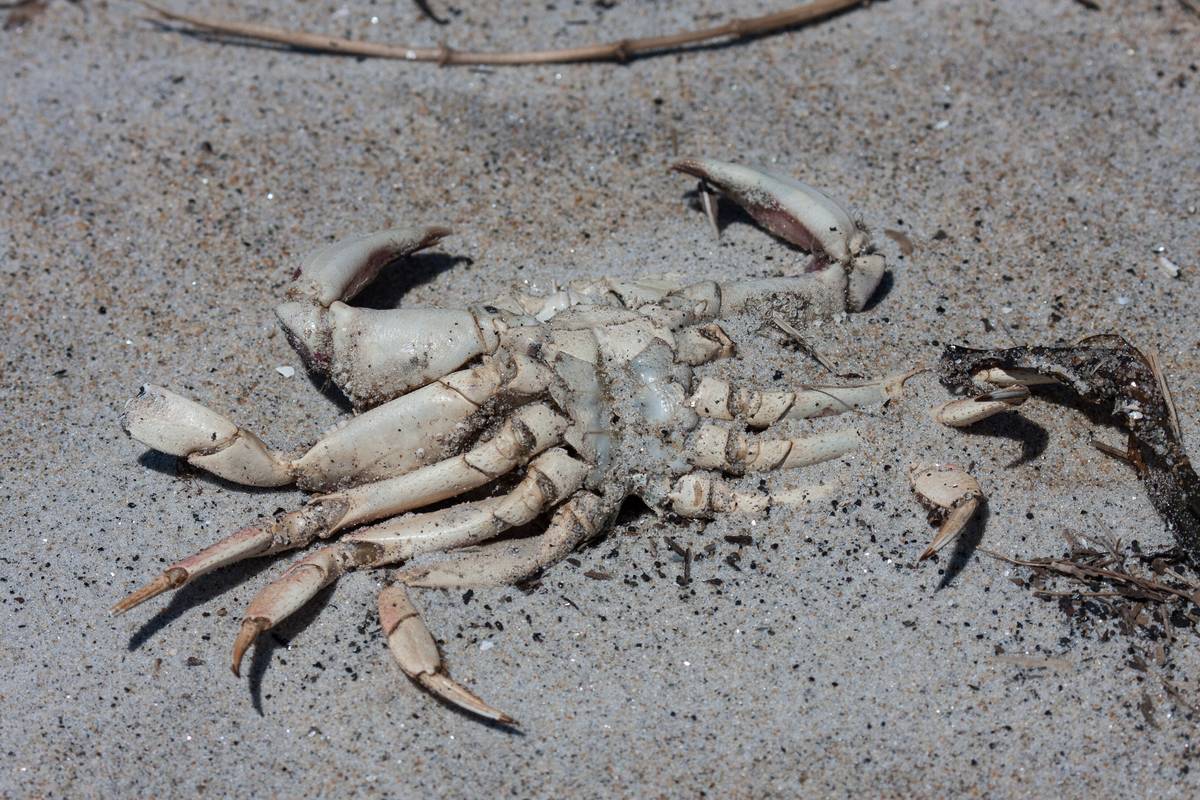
(209, 587)
(1032, 437)
(965, 546)
(178, 468)
(400, 278)
(278, 638)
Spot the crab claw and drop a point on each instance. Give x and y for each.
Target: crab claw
(967, 411)
(950, 494)
(797, 213)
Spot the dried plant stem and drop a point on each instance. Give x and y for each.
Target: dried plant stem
(1087, 572)
(621, 50)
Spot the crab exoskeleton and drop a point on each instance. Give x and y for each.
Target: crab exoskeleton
(568, 403)
(952, 496)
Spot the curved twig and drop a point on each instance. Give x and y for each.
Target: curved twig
(621, 50)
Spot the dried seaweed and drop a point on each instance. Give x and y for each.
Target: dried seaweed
(1105, 589)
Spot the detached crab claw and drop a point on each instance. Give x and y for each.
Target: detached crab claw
(950, 494)
(967, 411)
(797, 213)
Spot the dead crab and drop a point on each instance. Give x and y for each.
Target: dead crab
(569, 403)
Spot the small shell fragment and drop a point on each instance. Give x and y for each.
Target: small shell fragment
(951, 495)
(1168, 266)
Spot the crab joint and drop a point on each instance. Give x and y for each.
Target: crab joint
(703, 497)
(967, 411)
(715, 447)
(950, 494)
(173, 424)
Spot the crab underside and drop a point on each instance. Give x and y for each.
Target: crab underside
(551, 408)
(569, 402)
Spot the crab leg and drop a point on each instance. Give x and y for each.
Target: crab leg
(396, 437)
(530, 431)
(551, 476)
(703, 497)
(508, 562)
(412, 431)
(717, 399)
(715, 447)
(417, 654)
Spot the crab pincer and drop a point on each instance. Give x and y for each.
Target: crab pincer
(967, 411)
(950, 494)
(797, 213)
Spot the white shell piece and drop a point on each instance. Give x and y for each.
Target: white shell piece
(942, 485)
(866, 271)
(380, 354)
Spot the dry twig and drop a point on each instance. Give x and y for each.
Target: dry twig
(1083, 571)
(621, 50)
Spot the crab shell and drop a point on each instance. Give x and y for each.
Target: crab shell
(942, 487)
(951, 494)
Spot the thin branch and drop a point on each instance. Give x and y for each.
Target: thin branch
(1086, 572)
(621, 50)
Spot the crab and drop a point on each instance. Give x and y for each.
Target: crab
(560, 405)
